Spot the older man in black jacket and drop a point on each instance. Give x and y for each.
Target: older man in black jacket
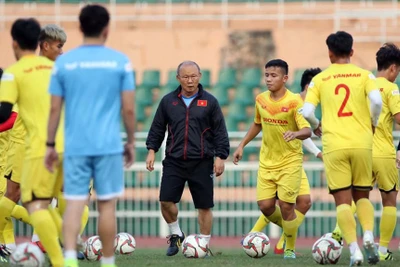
(197, 147)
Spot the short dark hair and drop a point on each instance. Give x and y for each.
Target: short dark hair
(93, 19)
(340, 43)
(387, 55)
(26, 33)
(278, 63)
(307, 76)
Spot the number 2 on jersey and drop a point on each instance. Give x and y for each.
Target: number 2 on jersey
(341, 112)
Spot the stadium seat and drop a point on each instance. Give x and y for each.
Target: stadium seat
(151, 78)
(226, 77)
(295, 85)
(237, 112)
(205, 78)
(244, 95)
(251, 77)
(220, 92)
(144, 95)
(140, 112)
(231, 124)
(172, 82)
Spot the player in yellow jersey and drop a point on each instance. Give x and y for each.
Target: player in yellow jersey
(348, 122)
(25, 83)
(278, 116)
(303, 201)
(384, 169)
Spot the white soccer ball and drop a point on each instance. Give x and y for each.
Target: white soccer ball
(326, 251)
(194, 246)
(124, 243)
(27, 254)
(93, 248)
(256, 245)
(329, 235)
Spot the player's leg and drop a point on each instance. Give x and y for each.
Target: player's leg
(337, 233)
(109, 185)
(172, 184)
(289, 182)
(5, 232)
(386, 175)
(38, 187)
(361, 165)
(201, 186)
(339, 178)
(78, 171)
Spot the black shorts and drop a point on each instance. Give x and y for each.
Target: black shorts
(200, 177)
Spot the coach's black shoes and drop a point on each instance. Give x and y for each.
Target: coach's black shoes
(174, 242)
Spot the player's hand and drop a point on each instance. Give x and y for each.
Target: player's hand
(51, 158)
(151, 155)
(318, 131)
(289, 136)
(398, 159)
(219, 166)
(129, 155)
(237, 155)
(320, 156)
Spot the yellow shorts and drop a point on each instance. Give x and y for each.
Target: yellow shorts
(304, 185)
(285, 182)
(3, 186)
(348, 168)
(38, 183)
(385, 174)
(15, 159)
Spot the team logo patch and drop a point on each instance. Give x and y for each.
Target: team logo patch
(371, 76)
(202, 103)
(175, 103)
(300, 111)
(128, 67)
(7, 77)
(311, 85)
(395, 92)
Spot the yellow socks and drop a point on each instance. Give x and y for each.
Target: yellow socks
(365, 214)
(84, 219)
(261, 223)
(290, 231)
(6, 207)
(8, 233)
(21, 214)
(276, 217)
(46, 229)
(346, 222)
(281, 241)
(300, 217)
(57, 222)
(387, 225)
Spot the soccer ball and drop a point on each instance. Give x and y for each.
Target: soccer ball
(27, 254)
(256, 245)
(194, 246)
(329, 235)
(93, 248)
(326, 251)
(124, 243)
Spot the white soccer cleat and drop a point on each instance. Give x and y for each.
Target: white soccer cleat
(357, 258)
(370, 249)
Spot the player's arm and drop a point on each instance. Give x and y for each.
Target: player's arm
(309, 115)
(255, 129)
(312, 148)
(8, 124)
(8, 95)
(54, 119)
(5, 111)
(375, 99)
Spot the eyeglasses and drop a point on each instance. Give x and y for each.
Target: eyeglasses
(186, 78)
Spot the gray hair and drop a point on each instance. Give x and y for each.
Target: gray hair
(52, 32)
(186, 63)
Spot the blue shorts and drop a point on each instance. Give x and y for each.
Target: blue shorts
(107, 172)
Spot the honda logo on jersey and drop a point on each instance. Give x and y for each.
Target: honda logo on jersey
(202, 103)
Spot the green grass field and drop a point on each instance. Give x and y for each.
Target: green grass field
(236, 257)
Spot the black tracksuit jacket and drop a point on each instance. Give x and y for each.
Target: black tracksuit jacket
(194, 132)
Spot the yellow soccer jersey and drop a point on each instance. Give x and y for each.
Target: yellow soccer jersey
(18, 133)
(277, 117)
(342, 90)
(26, 83)
(383, 138)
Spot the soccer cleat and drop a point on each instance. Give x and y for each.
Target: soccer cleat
(3, 258)
(80, 245)
(289, 254)
(39, 244)
(71, 263)
(6, 251)
(371, 250)
(174, 242)
(80, 256)
(385, 257)
(357, 258)
(337, 235)
(279, 251)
